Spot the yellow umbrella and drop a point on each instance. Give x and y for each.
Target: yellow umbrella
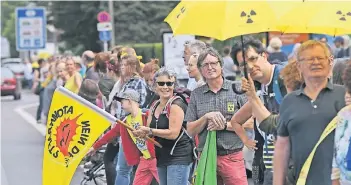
(226, 18)
(332, 18)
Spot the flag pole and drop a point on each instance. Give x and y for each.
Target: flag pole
(147, 137)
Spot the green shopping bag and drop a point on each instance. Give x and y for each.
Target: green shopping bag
(206, 172)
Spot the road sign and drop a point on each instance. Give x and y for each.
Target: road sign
(104, 26)
(105, 36)
(103, 17)
(30, 28)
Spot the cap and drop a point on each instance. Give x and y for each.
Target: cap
(129, 94)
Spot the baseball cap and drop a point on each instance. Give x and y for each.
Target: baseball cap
(129, 94)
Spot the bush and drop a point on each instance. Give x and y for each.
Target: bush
(148, 51)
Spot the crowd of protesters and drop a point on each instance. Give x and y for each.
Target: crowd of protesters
(288, 102)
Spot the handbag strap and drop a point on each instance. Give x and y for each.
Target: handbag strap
(307, 165)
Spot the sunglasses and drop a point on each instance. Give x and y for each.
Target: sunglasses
(169, 84)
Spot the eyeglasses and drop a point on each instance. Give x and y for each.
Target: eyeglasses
(252, 59)
(187, 43)
(212, 64)
(169, 84)
(312, 59)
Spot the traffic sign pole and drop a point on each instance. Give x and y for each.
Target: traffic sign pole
(110, 7)
(105, 46)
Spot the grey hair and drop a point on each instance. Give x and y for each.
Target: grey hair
(166, 71)
(209, 51)
(195, 46)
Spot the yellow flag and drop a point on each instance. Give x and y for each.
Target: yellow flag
(73, 126)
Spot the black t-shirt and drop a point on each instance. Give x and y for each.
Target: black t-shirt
(182, 154)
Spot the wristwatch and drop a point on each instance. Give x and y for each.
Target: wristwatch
(225, 126)
(150, 132)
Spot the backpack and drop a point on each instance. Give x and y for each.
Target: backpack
(179, 93)
(277, 82)
(183, 94)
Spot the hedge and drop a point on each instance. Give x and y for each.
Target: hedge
(148, 51)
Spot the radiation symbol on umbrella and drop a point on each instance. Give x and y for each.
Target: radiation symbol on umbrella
(248, 16)
(181, 12)
(343, 15)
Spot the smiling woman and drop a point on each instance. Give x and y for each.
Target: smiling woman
(166, 124)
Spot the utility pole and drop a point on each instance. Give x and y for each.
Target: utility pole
(110, 7)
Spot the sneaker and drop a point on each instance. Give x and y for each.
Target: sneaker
(38, 121)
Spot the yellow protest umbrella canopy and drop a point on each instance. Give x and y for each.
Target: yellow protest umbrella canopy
(224, 19)
(324, 17)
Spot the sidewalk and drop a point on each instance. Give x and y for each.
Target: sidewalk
(3, 177)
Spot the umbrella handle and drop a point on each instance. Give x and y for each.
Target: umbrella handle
(245, 68)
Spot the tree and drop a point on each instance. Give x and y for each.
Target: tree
(78, 21)
(135, 22)
(8, 18)
(140, 21)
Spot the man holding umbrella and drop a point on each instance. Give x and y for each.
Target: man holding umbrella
(272, 91)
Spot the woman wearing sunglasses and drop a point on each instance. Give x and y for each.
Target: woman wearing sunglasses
(166, 123)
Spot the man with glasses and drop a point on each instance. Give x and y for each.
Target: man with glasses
(271, 91)
(191, 48)
(305, 114)
(210, 108)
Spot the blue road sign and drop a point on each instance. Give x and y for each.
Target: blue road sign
(30, 28)
(105, 36)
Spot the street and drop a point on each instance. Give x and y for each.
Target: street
(22, 142)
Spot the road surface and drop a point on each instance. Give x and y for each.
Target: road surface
(22, 142)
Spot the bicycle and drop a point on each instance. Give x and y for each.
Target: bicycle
(96, 172)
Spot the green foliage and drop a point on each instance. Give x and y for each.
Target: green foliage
(8, 18)
(135, 22)
(140, 21)
(78, 21)
(149, 51)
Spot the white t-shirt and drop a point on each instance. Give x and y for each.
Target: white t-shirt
(192, 84)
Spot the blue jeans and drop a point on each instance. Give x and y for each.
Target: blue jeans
(174, 174)
(122, 168)
(40, 107)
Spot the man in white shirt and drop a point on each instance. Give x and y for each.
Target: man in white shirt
(190, 48)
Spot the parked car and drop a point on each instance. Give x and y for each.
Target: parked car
(10, 85)
(16, 65)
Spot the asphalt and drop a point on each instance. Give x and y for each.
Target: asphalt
(22, 143)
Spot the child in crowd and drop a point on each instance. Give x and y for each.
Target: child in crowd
(138, 151)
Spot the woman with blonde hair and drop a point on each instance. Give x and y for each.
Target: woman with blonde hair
(74, 82)
(130, 79)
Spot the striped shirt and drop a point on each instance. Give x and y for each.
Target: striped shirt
(268, 98)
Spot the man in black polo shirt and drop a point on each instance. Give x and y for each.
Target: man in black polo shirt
(305, 113)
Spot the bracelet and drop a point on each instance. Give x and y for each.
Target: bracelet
(225, 126)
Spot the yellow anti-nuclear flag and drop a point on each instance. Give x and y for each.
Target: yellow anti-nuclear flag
(73, 125)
